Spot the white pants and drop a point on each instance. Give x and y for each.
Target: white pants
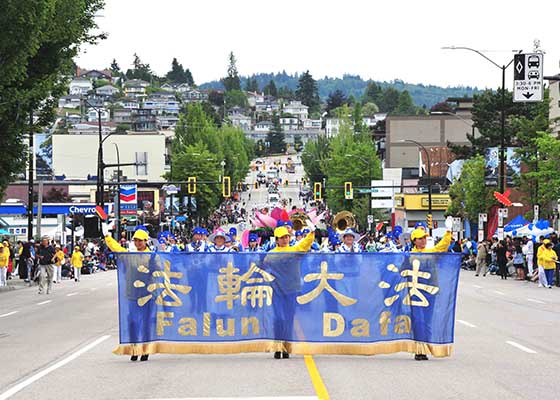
(77, 273)
(58, 273)
(530, 264)
(3, 273)
(542, 277)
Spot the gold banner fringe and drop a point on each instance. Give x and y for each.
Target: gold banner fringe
(304, 348)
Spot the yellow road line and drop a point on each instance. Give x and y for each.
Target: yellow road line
(316, 379)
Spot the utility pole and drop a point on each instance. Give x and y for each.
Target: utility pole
(30, 180)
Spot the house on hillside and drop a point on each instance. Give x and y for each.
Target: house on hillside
(107, 91)
(80, 86)
(94, 74)
(297, 109)
(135, 88)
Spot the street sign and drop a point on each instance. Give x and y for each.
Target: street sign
(528, 77)
(170, 189)
(500, 233)
(480, 235)
(381, 189)
(381, 192)
(535, 213)
(370, 219)
(483, 217)
(382, 203)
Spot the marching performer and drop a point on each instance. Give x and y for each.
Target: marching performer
(218, 245)
(253, 244)
(198, 243)
(349, 240)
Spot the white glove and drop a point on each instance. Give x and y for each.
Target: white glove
(311, 226)
(105, 229)
(449, 223)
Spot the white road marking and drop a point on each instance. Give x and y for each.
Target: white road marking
(239, 398)
(110, 284)
(519, 346)
(478, 286)
(8, 314)
(466, 323)
(93, 288)
(44, 302)
(72, 294)
(536, 301)
(13, 390)
(498, 292)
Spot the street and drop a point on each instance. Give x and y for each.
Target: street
(59, 347)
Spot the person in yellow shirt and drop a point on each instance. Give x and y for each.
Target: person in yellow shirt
(140, 239)
(287, 278)
(77, 262)
(419, 239)
(60, 259)
(4, 260)
(547, 258)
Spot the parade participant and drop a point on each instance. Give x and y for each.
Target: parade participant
(253, 244)
(8, 252)
(314, 246)
(60, 259)
(140, 239)
(349, 240)
(77, 263)
(548, 261)
(283, 238)
(4, 258)
(47, 257)
(218, 245)
(235, 242)
(172, 245)
(419, 240)
(198, 243)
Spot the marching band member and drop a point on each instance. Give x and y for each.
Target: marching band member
(235, 242)
(253, 244)
(198, 243)
(218, 245)
(349, 240)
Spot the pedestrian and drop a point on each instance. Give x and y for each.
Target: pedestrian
(481, 257)
(530, 256)
(60, 259)
(518, 262)
(419, 239)
(47, 257)
(548, 260)
(140, 239)
(77, 263)
(501, 259)
(4, 258)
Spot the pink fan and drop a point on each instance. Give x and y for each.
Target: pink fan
(276, 213)
(245, 238)
(266, 220)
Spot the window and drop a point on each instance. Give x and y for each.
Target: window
(142, 161)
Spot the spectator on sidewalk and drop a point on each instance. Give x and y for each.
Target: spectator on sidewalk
(47, 257)
(77, 263)
(4, 258)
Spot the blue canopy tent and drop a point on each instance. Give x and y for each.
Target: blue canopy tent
(516, 223)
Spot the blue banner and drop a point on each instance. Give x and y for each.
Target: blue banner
(312, 303)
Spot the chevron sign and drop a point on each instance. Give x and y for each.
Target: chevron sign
(128, 199)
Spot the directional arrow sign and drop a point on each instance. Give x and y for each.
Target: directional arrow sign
(528, 77)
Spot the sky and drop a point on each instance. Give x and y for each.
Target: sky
(381, 40)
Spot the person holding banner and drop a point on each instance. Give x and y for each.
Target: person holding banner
(288, 279)
(253, 246)
(419, 238)
(349, 240)
(140, 239)
(198, 243)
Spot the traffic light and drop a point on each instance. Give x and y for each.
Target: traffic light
(317, 189)
(348, 191)
(191, 185)
(226, 186)
(239, 187)
(429, 221)
(256, 185)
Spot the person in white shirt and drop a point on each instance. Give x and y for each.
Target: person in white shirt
(349, 244)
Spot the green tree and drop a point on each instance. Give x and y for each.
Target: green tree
(308, 93)
(370, 109)
(115, 69)
(286, 93)
(177, 72)
(140, 70)
(252, 85)
(373, 94)
(236, 98)
(389, 100)
(314, 158)
(41, 38)
(232, 81)
(336, 99)
(275, 137)
(270, 89)
(405, 106)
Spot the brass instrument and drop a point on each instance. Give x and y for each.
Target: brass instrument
(298, 220)
(343, 220)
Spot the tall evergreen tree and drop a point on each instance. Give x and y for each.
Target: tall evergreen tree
(252, 85)
(336, 99)
(308, 93)
(405, 105)
(275, 136)
(177, 73)
(270, 89)
(139, 70)
(115, 69)
(232, 81)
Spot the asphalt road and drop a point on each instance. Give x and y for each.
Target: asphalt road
(59, 347)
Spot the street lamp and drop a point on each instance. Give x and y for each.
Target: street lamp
(429, 176)
(223, 165)
(503, 111)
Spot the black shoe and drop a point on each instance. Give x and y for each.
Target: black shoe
(285, 354)
(133, 358)
(277, 355)
(144, 357)
(420, 357)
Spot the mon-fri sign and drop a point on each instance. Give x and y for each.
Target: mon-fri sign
(528, 77)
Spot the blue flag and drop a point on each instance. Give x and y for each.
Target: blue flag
(303, 303)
